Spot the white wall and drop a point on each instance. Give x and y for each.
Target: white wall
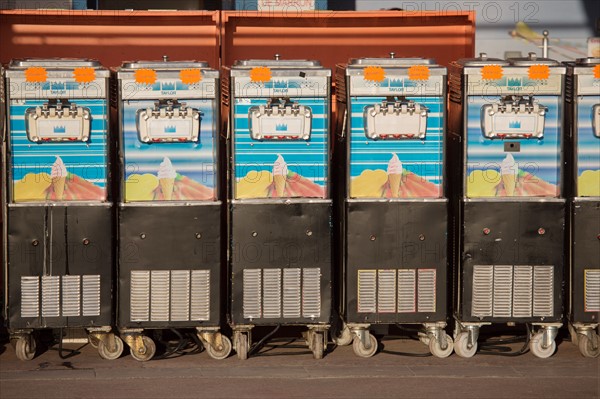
(567, 20)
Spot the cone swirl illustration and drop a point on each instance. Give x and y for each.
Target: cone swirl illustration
(59, 178)
(395, 175)
(166, 178)
(509, 171)
(280, 172)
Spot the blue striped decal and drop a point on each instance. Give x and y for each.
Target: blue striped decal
(422, 157)
(307, 158)
(86, 160)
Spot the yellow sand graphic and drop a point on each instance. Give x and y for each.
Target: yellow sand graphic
(589, 184)
(368, 184)
(32, 187)
(482, 183)
(254, 185)
(141, 187)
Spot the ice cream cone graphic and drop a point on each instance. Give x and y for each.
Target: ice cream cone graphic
(280, 172)
(59, 178)
(166, 178)
(508, 172)
(395, 175)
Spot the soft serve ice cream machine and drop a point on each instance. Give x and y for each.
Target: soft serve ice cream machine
(508, 185)
(583, 81)
(59, 262)
(170, 207)
(390, 158)
(280, 203)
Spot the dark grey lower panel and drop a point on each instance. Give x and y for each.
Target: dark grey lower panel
(585, 274)
(396, 262)
(170, 266)
(281, 263)
(512, 261)
(60, 266)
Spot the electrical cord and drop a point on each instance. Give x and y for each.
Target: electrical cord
(491, 348)
(184, 346)
(257, 346)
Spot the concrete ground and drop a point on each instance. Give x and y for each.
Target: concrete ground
(292, 373)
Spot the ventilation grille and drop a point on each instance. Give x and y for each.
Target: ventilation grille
(277, 293)
(340, 84)
(592, 290)
(60, 296)
(506, 291)
(170, 295)
(455, 79)
(397, 291)
(569, 86)
(225, 87)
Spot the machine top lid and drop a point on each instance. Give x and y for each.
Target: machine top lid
(532, 60)
(54, 63)
(164, 64)
(587, 61)
(277, 62)
(482, 60)
(391, 61)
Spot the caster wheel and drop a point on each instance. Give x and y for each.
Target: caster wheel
(318, 345)
(242, 347)
(345, 338)
(146, 352)
(223, 353)
(573, 334)
(106, 353)
(436, 348)
(535, 346)
(586, 345)
(25, 348)
(461, 346)
(359, 348)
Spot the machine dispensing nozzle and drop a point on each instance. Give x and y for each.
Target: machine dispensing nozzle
(392, 55)
(165, 58)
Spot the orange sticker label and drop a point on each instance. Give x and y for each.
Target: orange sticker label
(492, 72)
(597, 72)
(36, 75)
(261, 74)
(418, 72)
(145, 76)
(84, 75)
(190, 76)
(374, 74)
(539, 72)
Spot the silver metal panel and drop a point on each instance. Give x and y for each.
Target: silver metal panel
(30, 296)
(367, 291)
(543, 291)
(71, 296)
(200, 306)
(426, 287)
(91, 295)
(407, 290)
(483, 284)
(180, 295)
(522, 291)
(592, 290)
(50, 296)
(503, 286)
(386, 291)
(160, 282)
(272, 293)
(292, 296)
(140, 295)
(252, 293)
(311, 292)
